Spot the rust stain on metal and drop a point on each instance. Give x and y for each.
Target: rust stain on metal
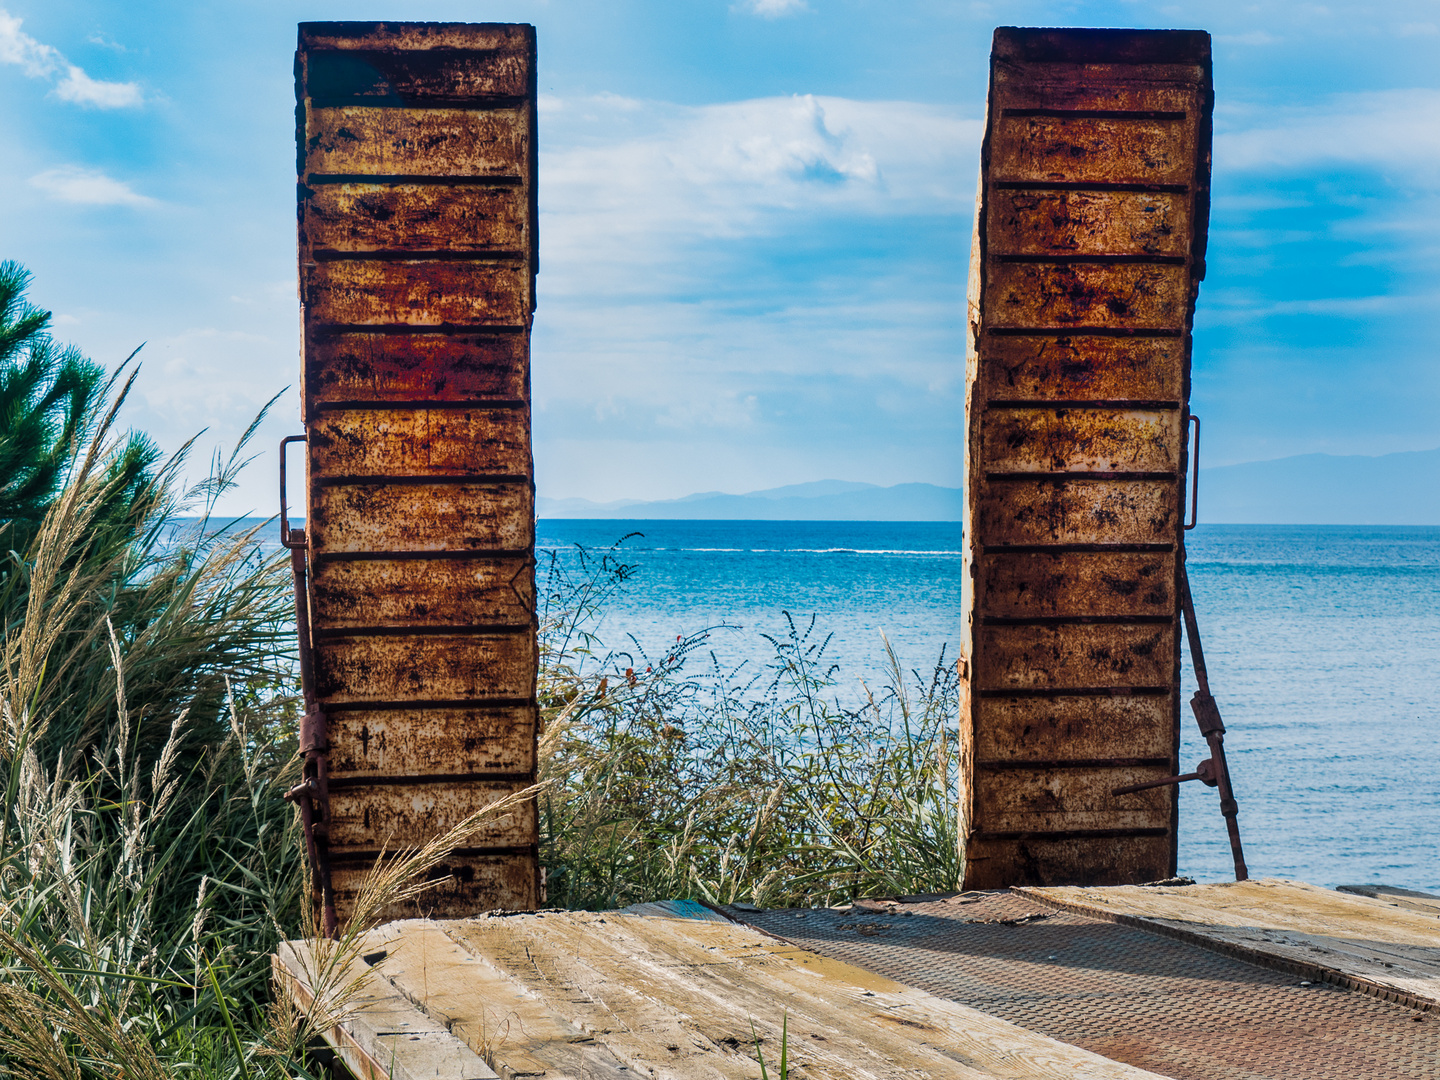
(426, 667)
(1074, 295)
(415, 592)
(393, 741)
(466, 882)
(1079, 149)
(1107, 655)
(1038, 585)
(1082, 440)
(1044, 367)
(1063, 799)
(1049, 222)
(417, 227)
(418, 293)
(349, 367)
(1086, 728)
(1066, 511)
(408, 814)
(1090, 241)
(473, 441)
(460, 143)
(363, 517)
(416, 217)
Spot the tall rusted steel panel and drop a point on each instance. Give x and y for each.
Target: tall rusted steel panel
(417, 244)
(1088, 253)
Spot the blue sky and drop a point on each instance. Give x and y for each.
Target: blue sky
(755, 224)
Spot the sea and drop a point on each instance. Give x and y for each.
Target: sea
(1322, 642)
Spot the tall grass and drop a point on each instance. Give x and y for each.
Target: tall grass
(672, 776)
(147, 863)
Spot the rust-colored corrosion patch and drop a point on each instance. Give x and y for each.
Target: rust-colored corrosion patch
(1089, 249)
(416, 160)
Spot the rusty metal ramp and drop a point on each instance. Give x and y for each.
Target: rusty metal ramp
(1156, 991)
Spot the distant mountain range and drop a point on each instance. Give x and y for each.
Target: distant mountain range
(1326, 489)
(1310, 489)
(822, 500)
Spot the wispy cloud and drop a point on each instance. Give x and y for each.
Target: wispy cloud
(88, 187)
(41, 61)
(774, 9)
(80, 89)
(616, 169)
(1382, 130)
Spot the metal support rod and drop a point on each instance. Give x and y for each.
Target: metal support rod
(312, 794)
(1207, 715)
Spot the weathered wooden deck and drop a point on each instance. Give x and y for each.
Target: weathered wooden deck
(1259, 979)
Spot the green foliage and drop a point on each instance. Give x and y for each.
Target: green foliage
(48, 399)
(732, 786)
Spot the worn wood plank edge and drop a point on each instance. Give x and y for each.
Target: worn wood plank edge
(1258, 956)
(366, 1056)
(1395, 896)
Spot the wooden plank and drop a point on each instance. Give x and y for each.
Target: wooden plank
(429, 668)
(1049, 222)
(424, 367)
(1038, 584)
(408, 742)
(677, 997)
(478, 591)
(1354, 941)
(483, 1006)
(1070, 799)
(1083, 368)
(414, 217)
(1090, 149)
(385, 1036)
(1081, 728)
(406, 814)
(1077, 512)
(422, 517)
(469, 441)
(417, 293)
(1072, 439)
(1005, 862)
(1121, 296)
(1072, 657)
(464, 884)
(1396, 897)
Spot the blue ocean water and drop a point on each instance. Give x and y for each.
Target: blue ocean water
(1323, 644)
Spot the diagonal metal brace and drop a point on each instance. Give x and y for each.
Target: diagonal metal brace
(1207, 715)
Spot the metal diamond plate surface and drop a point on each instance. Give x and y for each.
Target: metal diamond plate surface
(1133, 996)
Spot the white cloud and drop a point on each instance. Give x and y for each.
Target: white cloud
(106, 43)
(616, 169)
(775, 9)
(41, 61)
(79, 89)
(18, 47)
(1383, 130)
(88, 187)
